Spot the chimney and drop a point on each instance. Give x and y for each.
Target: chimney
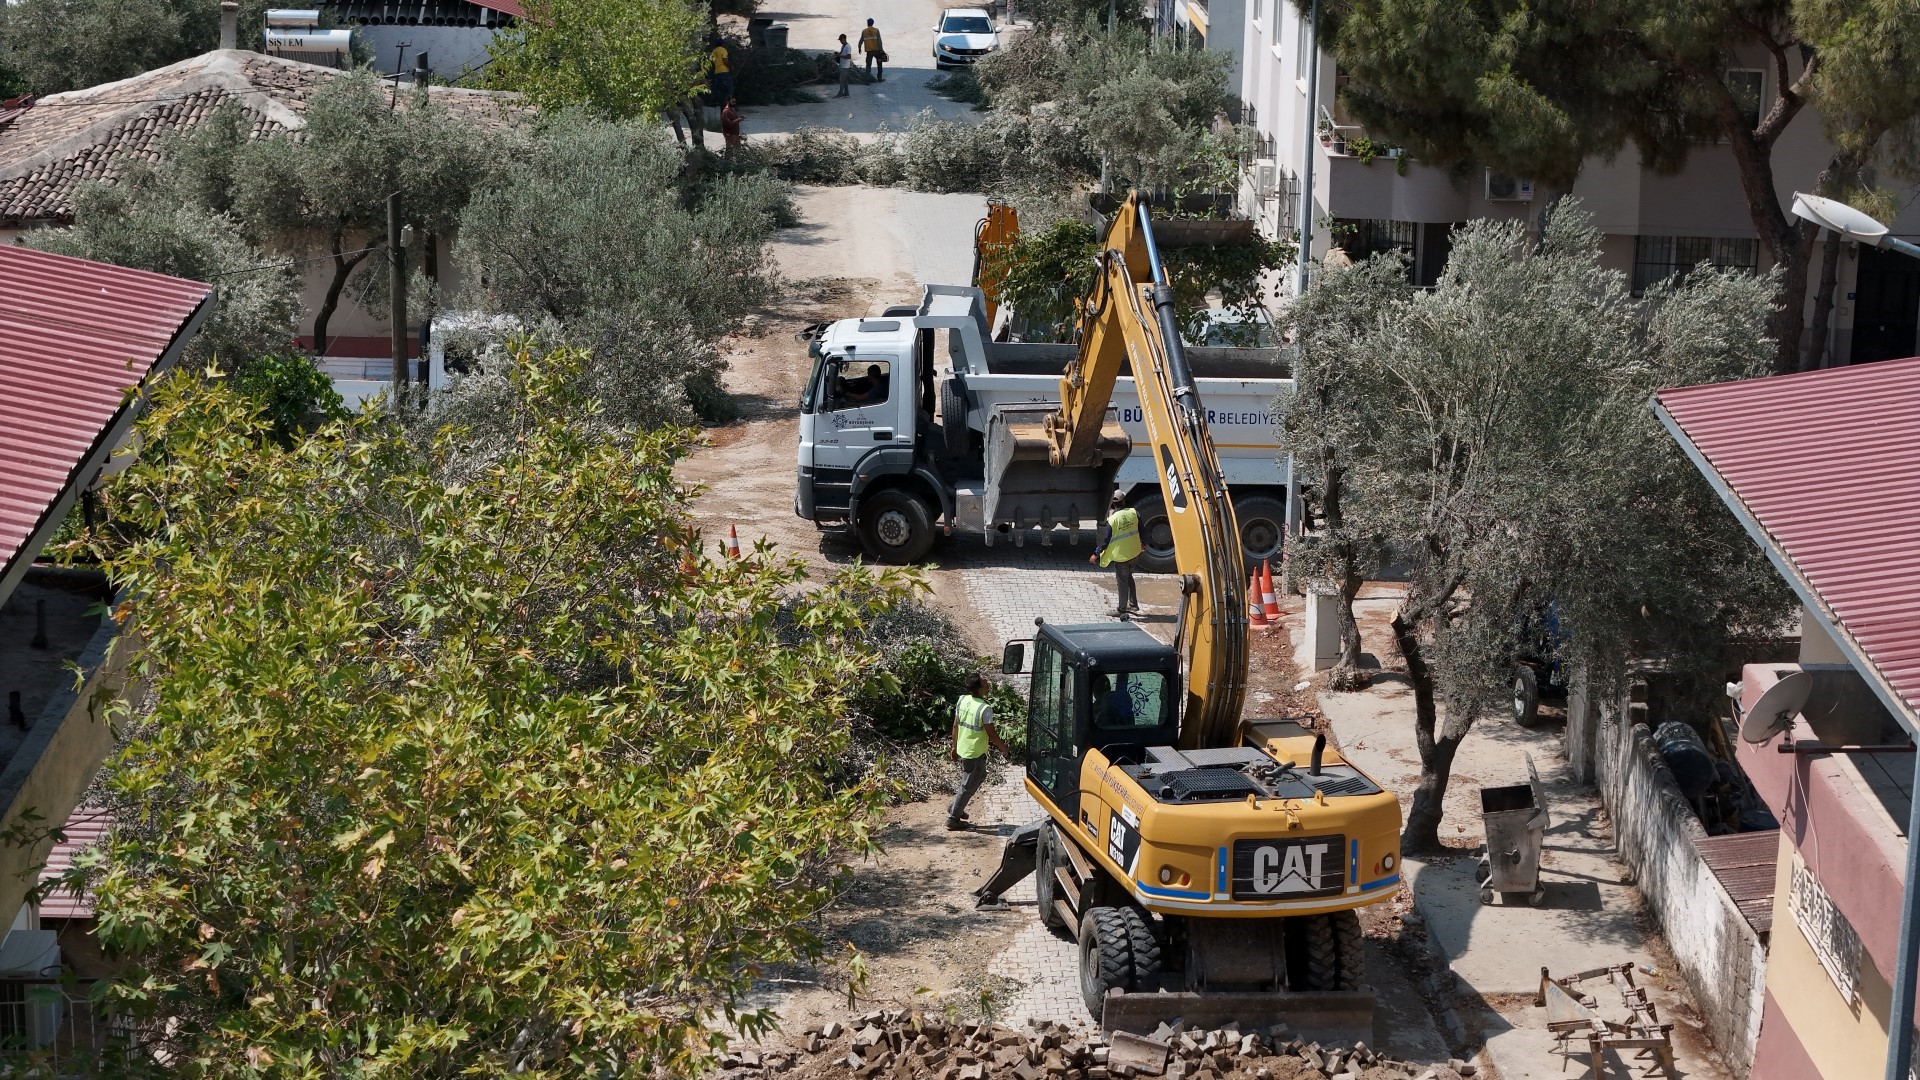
(229, 24)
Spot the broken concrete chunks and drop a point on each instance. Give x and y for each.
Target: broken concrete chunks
(1464, 1068)
(813, 1043)
(1311, 1055)
(1132, 1052)
(832, 1030)
(868, 1036)
(975, 1071)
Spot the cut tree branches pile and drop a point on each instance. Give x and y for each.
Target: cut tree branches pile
(914, 1045)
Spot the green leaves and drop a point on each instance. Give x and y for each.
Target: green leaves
(473, 775)
(622, 59)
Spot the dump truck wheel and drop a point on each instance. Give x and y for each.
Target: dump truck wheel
(895, 527)
(953, 422)
(1156, 537)
(1106, 956)
(1319, 953)
(1263, 529)
(1045, 888)
(1352, 947)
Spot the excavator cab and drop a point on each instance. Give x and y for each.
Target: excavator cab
(1110, 687)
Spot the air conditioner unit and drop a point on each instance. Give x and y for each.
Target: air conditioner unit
(1266, 178)
(1504, 188)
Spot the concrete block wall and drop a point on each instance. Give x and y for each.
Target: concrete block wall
(1721, 958)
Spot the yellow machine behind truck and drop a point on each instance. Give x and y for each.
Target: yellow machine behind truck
(1209, 865)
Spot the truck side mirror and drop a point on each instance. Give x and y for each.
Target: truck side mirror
(1014, 660)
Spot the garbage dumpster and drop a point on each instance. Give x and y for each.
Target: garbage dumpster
(1516, 821)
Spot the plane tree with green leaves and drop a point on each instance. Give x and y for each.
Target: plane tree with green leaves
(1489, 84)
(460, 759)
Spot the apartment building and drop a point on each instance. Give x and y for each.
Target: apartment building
(1368, 198)
(1819, 467)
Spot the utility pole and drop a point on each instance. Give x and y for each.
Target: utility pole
(1310, 40)
(397, 298)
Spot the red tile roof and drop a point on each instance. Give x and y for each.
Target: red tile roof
(86, 827)
(1824, 467)
(75, 337)
(52, 145)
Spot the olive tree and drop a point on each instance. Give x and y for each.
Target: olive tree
(256, 298)
(593, 228)
(1495, 432)
(447, 770)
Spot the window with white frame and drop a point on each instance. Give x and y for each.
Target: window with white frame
(1303, 41)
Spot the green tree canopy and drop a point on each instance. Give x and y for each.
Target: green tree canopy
(59, 45)
(1496, 431)
(623, 59)
(457, 766)
(325, 193)
(1492, 84)
(594, 227)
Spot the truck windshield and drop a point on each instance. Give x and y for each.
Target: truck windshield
(810, 400)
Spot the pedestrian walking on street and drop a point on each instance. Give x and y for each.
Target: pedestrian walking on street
(720, 79)
(845, 58)
(730, 124)
(973, 731)
(1117, 545)
(876, 56)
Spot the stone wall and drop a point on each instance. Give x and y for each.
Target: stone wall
(1721, 958)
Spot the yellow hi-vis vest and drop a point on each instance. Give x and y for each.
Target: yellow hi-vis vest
(971, 740)
(1124, 544)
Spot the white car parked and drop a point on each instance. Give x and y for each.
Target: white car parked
(963, 36)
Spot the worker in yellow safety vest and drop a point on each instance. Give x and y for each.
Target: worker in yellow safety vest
(1117, 545)
(973, 730)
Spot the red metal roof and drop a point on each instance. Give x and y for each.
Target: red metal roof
(1826, 465)
(85, 828)
(505, 7)
(75, 337)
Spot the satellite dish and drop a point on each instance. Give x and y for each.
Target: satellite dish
(1838, 216)
(1773, 713)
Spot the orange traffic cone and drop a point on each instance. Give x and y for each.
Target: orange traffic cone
(733, 542)
(1256, 613)
(1268, 600)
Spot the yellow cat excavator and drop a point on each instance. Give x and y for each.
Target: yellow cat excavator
(1209, 865)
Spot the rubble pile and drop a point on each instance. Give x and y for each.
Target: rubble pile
(911, 1045)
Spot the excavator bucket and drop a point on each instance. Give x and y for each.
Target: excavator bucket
(1029, 491)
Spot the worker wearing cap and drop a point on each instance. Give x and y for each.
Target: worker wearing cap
(1117, 545)
(973, 731)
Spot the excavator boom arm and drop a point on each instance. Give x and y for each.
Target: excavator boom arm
(1127, 322)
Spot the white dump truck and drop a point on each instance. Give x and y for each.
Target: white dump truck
(904, 439)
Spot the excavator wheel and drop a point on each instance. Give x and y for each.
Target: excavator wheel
(1117, 949)
(1352, 949)
(1319, 953)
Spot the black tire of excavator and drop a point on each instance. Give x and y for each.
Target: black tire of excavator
(1106, 956)
(1352, 947)
(1320, 954)
(1045, 888)
(1147, 953)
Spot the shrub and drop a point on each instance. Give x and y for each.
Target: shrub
(814, 155)
(960, 86)
(293, 393)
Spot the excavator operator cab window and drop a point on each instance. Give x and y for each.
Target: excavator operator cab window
(1053, 747)
(1128, 711)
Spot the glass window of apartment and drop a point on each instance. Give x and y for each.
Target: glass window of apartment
(1657, 258)
(1362, 238)
(1302, 41)
(1747, 85)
